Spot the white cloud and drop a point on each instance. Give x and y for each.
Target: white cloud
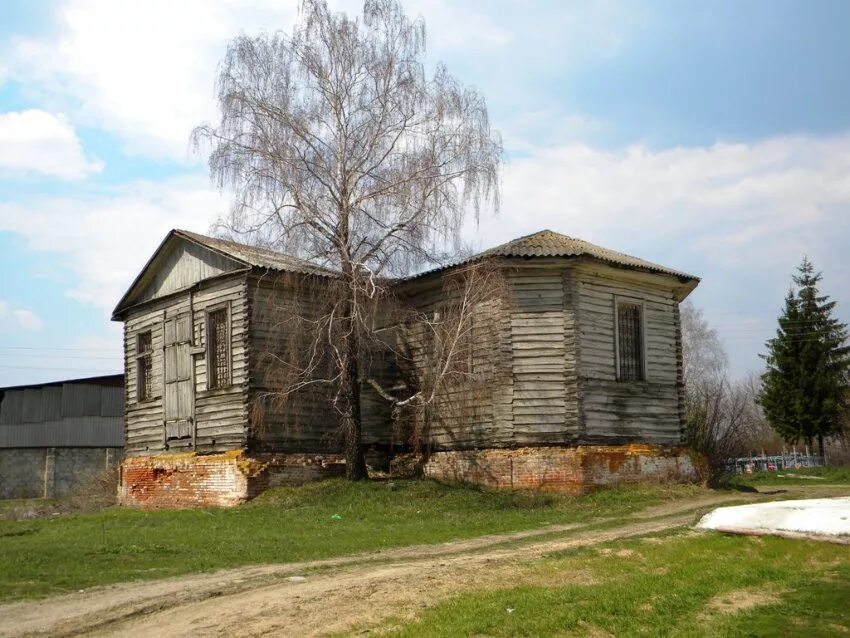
(14, 318)
(105, 239)
(35, 141)
(726, 201)
(143, 70)
(146, 70)
(455, 25)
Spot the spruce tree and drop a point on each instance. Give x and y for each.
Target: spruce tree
(805, 388)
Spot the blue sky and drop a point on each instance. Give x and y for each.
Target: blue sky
(713, 137)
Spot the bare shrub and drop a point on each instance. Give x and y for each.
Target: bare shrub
(100, 491)
(722, 418)
(443, 354)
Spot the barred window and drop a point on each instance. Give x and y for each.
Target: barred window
(629, 342)
(218, 349)
(144, 366)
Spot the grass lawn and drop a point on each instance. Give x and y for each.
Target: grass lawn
(826, 476)
(65, 553)
(684, 584)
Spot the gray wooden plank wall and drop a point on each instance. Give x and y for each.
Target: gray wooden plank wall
(613, 411)
(220, 415)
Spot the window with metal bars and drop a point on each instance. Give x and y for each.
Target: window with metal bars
(144, 366)
(629, 342)
(218, 349)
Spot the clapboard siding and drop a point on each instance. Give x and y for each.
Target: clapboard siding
(538, 346)
(220, 415)
(473, 409)
(615, 411)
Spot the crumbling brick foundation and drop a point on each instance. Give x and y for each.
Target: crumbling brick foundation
(216, 480)
(573, 470)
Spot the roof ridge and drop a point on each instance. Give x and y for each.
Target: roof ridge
(551, 244)
(211, 241)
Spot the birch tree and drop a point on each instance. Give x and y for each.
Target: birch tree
(342, 149)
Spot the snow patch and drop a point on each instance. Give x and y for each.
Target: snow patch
(829, 517)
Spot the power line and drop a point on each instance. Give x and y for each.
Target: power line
(59, 368)
(54, 348)
(34, 355)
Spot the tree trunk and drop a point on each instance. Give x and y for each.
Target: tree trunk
(355, 461)
(820, 444)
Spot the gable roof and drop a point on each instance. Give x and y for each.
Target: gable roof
(243, 256)
(544, 243)
(548, 243)
(254, 256)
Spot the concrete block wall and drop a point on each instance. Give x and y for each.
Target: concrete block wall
(51, 472)
(572, 470)
(216, 480)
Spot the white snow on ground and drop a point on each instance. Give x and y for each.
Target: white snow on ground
(828, 517)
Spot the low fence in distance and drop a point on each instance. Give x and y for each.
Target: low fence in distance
(774, 462)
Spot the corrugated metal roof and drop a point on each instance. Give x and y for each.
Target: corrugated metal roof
(547, 243)
(257, 257)
(544, 243)
(114, 380)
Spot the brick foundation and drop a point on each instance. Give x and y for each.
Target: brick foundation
(574, 470)
(216, 480)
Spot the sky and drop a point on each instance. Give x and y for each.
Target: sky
(711, 137)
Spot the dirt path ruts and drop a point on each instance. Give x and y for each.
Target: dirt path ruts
(336, 594)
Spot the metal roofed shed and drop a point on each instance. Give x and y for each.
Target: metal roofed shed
(55, 436)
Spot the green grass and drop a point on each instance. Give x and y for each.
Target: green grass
(829, 476)
(666, 587)
(65, 553)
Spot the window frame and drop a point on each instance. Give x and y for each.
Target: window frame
(139, 357)
(208, 312)
(641, 306)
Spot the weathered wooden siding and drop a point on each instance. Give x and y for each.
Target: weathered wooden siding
(615, 411)
(305, 421)
(552, 378)
(474, 409)
(543, 357)
(219, 415)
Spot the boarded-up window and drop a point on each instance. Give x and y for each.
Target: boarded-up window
(218, 349)
(144, 366)
(629, 342)
(179, 382)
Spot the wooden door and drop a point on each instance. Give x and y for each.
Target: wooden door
(179, 382)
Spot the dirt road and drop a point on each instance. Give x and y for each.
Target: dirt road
(309, 599)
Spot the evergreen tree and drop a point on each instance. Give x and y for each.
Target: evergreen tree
(806, 383)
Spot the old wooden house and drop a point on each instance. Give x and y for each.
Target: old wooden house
(576, 377)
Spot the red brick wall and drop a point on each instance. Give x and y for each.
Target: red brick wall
(573, 470)
(215, 480)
